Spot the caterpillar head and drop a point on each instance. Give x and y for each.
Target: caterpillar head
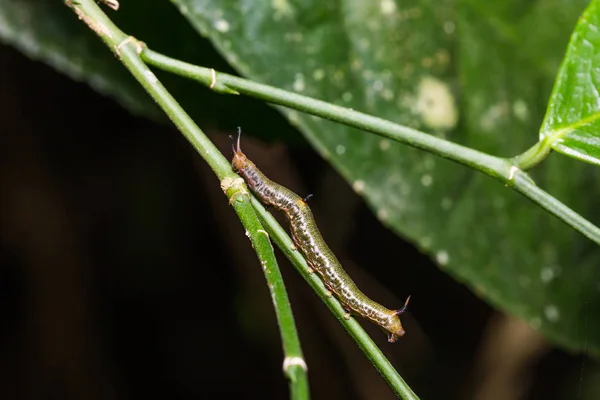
(394, 325)
(239, 160)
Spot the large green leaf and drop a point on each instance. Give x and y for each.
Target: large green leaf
(50, 31)
(45, 30)
(572, 121)
(478, 74)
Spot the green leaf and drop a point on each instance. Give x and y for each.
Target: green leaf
(476, 74)
(50, 31)
(572, 122)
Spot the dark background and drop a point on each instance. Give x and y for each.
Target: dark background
(124, 274)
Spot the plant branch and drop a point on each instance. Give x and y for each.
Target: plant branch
(364, 341)
(508, 171)
(128, 51)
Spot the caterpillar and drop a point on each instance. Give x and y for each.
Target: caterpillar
(308, 240)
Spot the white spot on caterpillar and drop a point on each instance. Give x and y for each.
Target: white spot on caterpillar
(340, 149)
(551, 312)
(151, 77)
(359, 186)
(442, 257)
(426, 180)
(384, 144)
(387, 7)
(221, 25)
(435, 104)
(520, 109)
(299, 83)
(292, 361)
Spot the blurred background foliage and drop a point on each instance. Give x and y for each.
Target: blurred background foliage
(124, 273)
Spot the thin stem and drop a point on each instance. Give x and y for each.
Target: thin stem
(127, 50)
(381, 363)
(494, 166)
(533, 156)
(294, 365)
(505, 170)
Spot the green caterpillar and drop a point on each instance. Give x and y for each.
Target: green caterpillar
(308, 240)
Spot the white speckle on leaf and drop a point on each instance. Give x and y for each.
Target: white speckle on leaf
(340, 149)
(294, 37)
(442, 257)
(384, 144)
(491, 116)
(387, 94)
(383, 214)
(299, 82)
(358, 186)
(318, 74)
(426, 242)
(435, 104)
(520, 109)
(293, 117)
(547, 274)
(378, 85)
(281, 8)
(426, 180)
(551, 312)
(387, 7)
(339, 75)
(449, 27)
(447, 203)
(535, 323)
(221, 25)
(347, 96)
(364, 44)
(442, 57)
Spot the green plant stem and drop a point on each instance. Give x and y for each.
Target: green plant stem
(377, 358)
(534, 155)
(508, 171)
(127, 52)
